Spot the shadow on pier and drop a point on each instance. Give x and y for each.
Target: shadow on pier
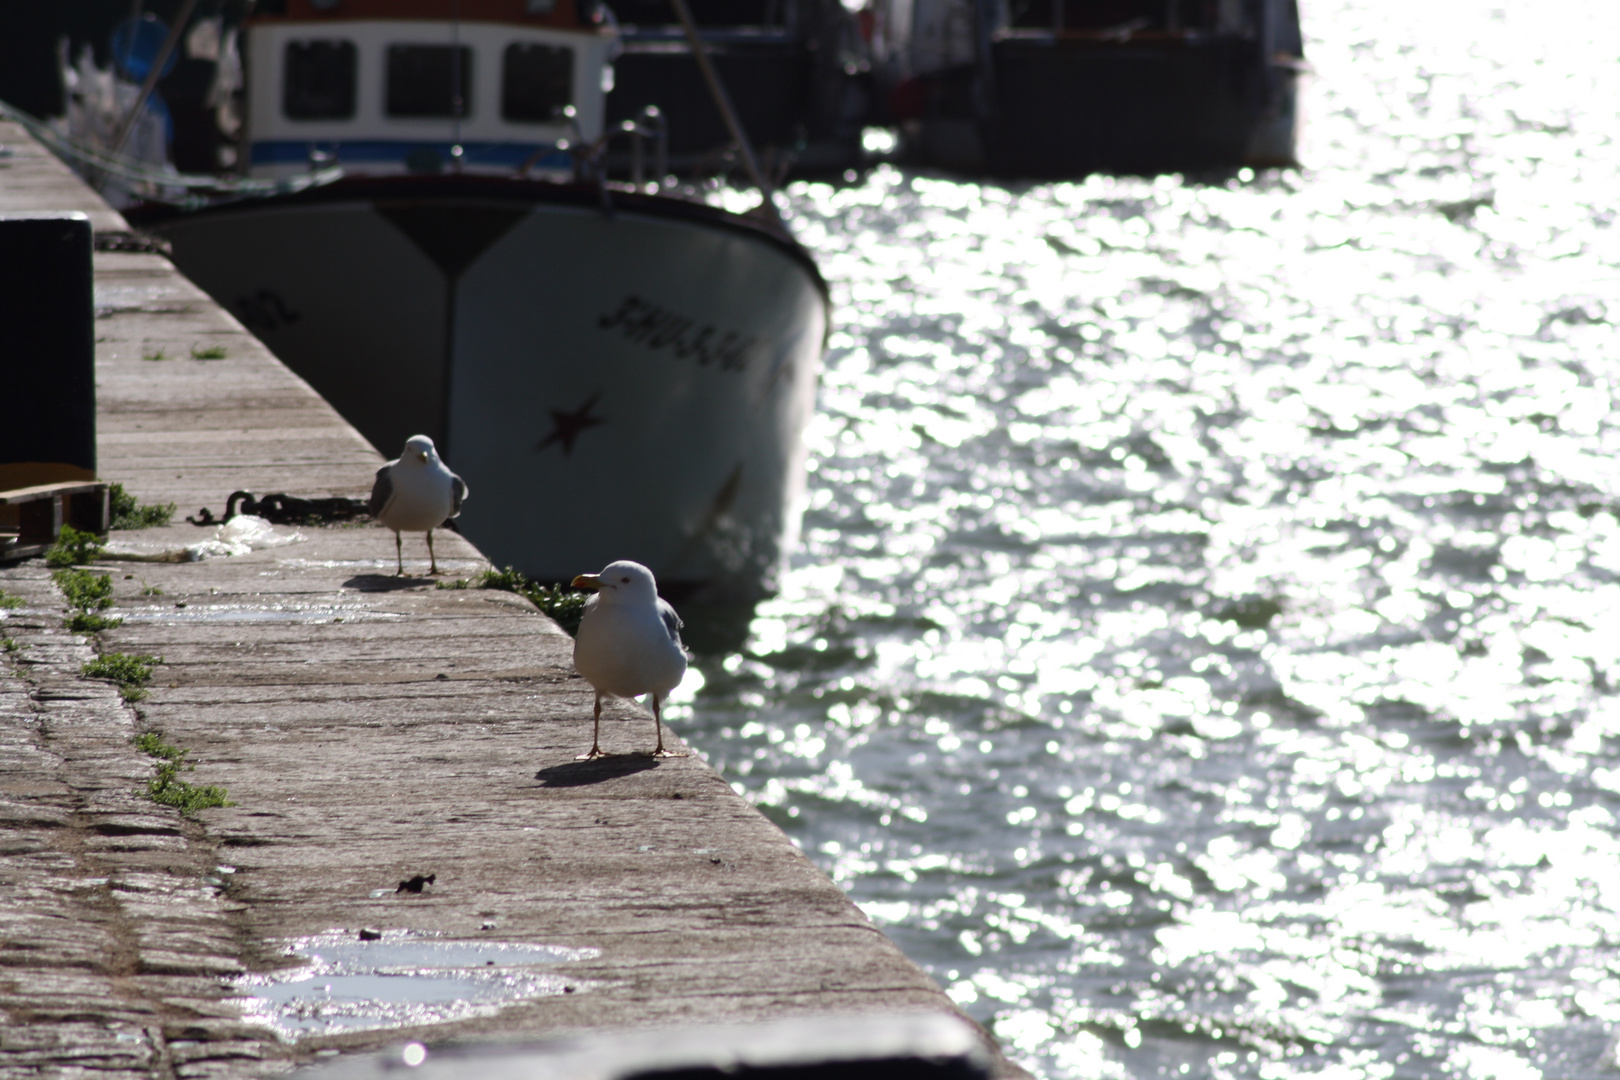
(596, 770)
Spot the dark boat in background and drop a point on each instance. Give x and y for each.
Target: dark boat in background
(1053, 88)
(798, 73)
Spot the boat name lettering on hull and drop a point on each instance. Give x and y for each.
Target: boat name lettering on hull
(659, 328)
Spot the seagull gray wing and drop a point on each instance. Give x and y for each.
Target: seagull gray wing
(458, 492)
(382, 490)
(672, 621)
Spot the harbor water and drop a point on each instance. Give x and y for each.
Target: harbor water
(1202, 652)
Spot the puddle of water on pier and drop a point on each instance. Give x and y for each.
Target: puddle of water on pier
(121, 299)
(401, 980)
(244, 613)
(447, 566)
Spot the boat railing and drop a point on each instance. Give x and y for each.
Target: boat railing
(651, 124)
(588, 157)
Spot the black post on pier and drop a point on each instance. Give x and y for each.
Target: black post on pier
(47, 383)
(47, 351)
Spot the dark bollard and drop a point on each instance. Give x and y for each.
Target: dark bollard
(47, 383)
(47, 351)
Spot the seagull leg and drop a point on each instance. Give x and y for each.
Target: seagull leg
(432, 562)
(596, 733)
(659, 751)
(399, 555)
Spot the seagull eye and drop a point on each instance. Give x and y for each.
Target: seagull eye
(625, 580)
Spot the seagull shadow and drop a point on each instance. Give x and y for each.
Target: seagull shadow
(389, 583)
(596, 770)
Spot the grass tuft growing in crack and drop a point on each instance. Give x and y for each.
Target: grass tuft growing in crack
(563, 604)
(74, 547)
(130, 671)
(9, 601)
(167, 788)
(129, 514)
(85, 589)
(88, 592)
(83, 622)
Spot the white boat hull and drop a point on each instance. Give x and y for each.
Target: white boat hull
(631, 383)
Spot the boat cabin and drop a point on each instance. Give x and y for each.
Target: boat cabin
(422, 86)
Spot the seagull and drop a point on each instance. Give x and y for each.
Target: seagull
(628, 644)
(415, 493)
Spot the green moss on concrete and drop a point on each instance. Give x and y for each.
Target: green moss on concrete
(562, 603)
(167, 788)
(129, 514)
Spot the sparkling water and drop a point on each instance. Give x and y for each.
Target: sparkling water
(1203, 649)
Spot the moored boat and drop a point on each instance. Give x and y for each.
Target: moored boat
(617, 371)
(799, 73)
(1051, 88)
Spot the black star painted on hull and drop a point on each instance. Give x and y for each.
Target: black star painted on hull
(567, 426)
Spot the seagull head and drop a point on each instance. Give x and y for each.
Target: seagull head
(622, 582)
(418, 449)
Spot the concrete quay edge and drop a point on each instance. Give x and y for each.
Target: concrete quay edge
(368, 730)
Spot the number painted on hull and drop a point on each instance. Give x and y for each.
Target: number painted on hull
(265, 311)
(659, 328)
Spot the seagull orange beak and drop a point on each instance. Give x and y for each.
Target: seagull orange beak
(587, 581)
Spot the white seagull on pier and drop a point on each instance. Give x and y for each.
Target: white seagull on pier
(416, 493)
(628, 644)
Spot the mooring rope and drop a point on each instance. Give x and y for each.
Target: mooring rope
(125, 168)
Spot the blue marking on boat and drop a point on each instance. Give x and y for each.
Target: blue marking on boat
(512, 155)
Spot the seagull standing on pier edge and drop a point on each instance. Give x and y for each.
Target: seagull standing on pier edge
(416, 493)
(628, 644)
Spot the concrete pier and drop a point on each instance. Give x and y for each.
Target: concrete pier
(370, 731)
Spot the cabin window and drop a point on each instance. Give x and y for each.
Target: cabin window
(537, 81)
(318, 80)
(429, 80)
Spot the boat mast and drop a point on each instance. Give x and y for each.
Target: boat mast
(723, 103)
(457, 103)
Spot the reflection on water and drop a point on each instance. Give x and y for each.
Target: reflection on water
(1203, 652)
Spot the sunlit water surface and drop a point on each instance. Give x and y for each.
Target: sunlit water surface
(1202, 654)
